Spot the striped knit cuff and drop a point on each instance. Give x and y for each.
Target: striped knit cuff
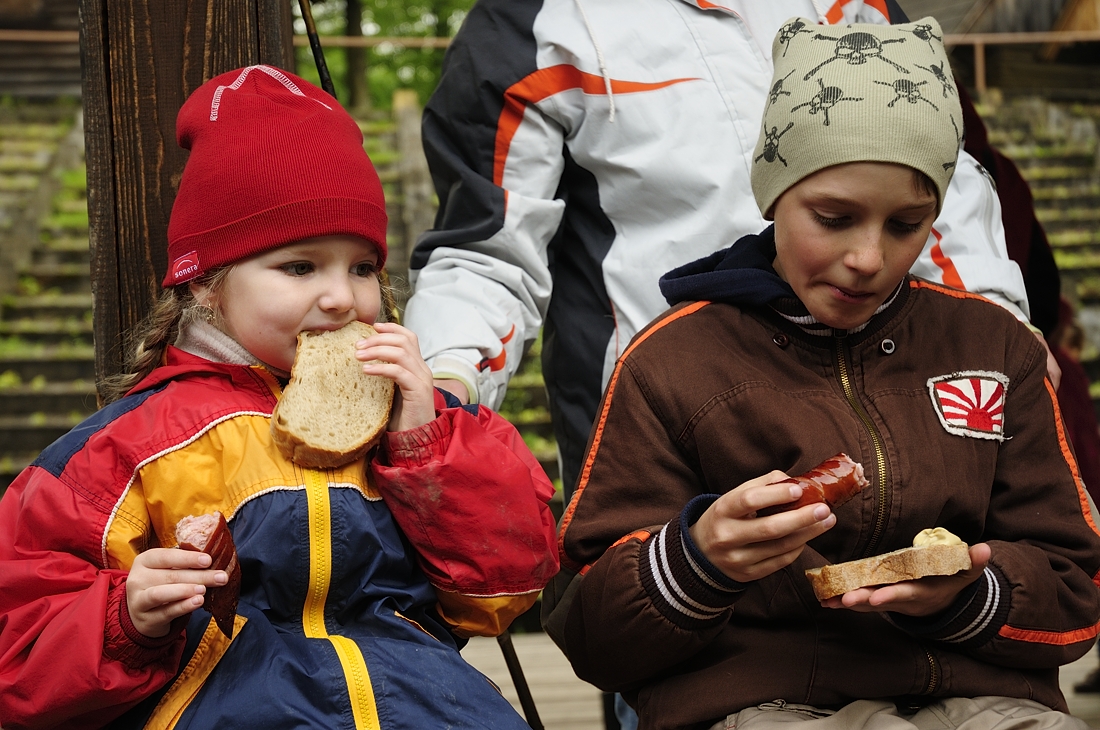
(685, 587)
(973, 619)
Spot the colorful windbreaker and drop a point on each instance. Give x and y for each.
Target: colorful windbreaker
(357, 581)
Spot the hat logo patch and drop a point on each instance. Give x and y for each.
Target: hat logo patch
(970, 403)
(186, 267)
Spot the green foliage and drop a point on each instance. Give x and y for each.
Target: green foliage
(389, 67)
(10, 379)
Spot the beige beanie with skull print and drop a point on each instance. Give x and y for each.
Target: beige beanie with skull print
(857, 93)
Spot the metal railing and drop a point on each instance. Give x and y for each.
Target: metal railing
(978, 40)
(330, 41)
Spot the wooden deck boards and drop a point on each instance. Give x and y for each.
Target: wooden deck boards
(566, 703)
(563, 701)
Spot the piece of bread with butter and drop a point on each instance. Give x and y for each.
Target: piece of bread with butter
(935, 552)
(331, 412)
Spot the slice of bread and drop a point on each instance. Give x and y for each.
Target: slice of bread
(905, 564)
(331, 412)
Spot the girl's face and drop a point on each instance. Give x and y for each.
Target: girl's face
(846, 236)
(316, 284)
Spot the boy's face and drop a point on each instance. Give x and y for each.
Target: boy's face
(846, 235)
(319, 283)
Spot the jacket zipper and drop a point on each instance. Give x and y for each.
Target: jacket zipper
(933, 674)
(843, 371)
(360, 691)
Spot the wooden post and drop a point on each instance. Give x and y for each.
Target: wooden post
(140, 62)
(979, 69)
(418, 207)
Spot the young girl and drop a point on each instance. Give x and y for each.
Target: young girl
(358, 582)
(792, 345)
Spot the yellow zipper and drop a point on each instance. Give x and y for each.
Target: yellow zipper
(843, 370)
(360, 691)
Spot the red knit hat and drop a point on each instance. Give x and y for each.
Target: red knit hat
(273, 160)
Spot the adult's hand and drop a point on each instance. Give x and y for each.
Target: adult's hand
(1053, 371)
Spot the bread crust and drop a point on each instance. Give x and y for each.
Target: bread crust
(905, 564)
(308, 389)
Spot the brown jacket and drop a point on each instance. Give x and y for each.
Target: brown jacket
(942, 397)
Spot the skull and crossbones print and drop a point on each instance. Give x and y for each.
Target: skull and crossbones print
(826, 99)
(856, 48)
(771, 145)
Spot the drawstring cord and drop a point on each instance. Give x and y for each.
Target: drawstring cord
(820, 13)
(599, 59)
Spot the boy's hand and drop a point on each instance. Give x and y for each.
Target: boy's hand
(922, 597)
(746, 547)
(401, 362)
(166, 583)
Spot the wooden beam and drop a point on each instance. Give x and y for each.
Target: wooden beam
(39, 36)
(995, 39)
(141, 60)
(372, 41)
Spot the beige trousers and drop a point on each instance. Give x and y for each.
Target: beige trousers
(953, 713)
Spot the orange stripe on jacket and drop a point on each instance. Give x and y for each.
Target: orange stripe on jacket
(639, 535)
(497, 363)
(598, 436)
(1056, 638)
(836, 13)
(545, 83)
(947, 266)
(1071, 462)
(949, 292)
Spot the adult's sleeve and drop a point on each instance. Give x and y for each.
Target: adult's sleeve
(474, 502)
(481, 280)
(69, 654)
(966, 248)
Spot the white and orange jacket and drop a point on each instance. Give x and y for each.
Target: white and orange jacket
(582, 148)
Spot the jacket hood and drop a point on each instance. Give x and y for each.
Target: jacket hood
(741, 274)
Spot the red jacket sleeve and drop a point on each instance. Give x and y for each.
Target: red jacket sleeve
(473, 501)
(69, 655)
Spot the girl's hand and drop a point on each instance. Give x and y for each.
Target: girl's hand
(166, 583)
(746, 547)
(922, 597)
(399, 352)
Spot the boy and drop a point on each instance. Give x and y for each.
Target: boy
(791, 346)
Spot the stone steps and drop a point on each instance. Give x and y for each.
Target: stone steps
(49, 331)
(55, 364)
(47, 359)
(50, 307)
(41, 396)
(26, 433)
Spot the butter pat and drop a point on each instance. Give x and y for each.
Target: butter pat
(935, 536)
